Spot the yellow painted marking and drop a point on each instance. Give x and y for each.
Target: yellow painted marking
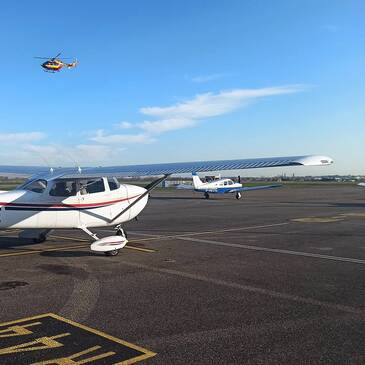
(32, 252)
(18, 330)
(319, 219)
(359, 215)
(208, 232)
(42, 343)
(147, 354)
(85, 240)
(69, 359)
(189, 234)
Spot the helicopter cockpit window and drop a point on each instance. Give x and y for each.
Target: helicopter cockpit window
(63, 188)
(92, 186)
(36, 186)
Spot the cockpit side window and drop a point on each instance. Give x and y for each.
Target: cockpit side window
(36, 186)
(63, 188)
(113, 183)
(92, 186)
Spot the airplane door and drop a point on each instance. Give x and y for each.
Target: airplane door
(95, 203)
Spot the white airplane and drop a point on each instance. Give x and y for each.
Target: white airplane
(86, 198)
(224, 186)
(361, 184)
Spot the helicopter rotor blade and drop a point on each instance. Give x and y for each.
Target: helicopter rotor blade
(56, 56)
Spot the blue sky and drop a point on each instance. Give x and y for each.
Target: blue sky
(165, 81)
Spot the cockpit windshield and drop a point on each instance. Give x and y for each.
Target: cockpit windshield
(36, 186)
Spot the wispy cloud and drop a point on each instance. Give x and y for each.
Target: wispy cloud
(106, 147)
(206, 78)
(21, 137)
(124, 125)
(203, 106)
(102, 137)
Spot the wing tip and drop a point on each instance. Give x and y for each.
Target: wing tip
(314, 160)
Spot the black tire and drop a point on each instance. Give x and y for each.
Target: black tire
(238, 196)
(206, 195)
(111, 253)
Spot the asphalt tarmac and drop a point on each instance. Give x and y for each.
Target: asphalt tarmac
(275, 278)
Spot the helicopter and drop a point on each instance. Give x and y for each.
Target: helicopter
(54, 64)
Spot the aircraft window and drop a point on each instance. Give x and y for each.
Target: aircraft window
(225, 183)
(92, 186)
(113, 183)
(37, 186)
(230, 182)
(63, 188)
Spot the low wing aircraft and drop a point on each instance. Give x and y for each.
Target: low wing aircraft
(86, 198)
(225, 186)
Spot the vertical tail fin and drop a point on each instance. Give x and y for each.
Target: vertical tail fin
(196, 181)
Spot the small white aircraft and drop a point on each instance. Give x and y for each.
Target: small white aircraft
(85, 198)
(224, 186)
(361, 184)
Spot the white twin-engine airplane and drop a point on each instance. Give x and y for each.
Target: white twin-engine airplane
(224, 186)
(85, 198)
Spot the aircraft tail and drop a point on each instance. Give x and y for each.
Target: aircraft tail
(72, 64)
(196, 181)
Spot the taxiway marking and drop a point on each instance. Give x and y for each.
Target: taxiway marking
(156, 237)
(249, 288)
(32, 251)
(275, 250)
(85, 240)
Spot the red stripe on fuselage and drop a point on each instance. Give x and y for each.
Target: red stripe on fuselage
(94, 205)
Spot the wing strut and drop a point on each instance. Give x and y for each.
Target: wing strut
(148, 188)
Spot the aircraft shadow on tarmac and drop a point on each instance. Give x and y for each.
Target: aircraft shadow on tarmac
(69, 253)
(7, 243)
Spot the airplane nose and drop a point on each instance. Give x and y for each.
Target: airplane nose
(137, 198)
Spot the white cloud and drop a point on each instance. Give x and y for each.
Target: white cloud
(124, 125)
(101, 137)
(207, 78)
(208, 105)
(21, 137)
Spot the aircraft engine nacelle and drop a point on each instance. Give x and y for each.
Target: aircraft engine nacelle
(110, 243)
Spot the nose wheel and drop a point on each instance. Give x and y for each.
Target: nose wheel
(111, 253)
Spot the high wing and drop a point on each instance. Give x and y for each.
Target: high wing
(168, 168)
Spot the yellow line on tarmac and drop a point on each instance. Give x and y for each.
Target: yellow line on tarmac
(31, 252)
(85, 240)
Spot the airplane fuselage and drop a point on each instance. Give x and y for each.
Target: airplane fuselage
(29, 209)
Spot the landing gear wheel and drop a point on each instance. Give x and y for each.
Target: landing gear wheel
(111, 253)
(238, 196)
(206, 195)
(40, 239)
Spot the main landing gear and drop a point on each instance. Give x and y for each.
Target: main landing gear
(206, 195)
(238, 196)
